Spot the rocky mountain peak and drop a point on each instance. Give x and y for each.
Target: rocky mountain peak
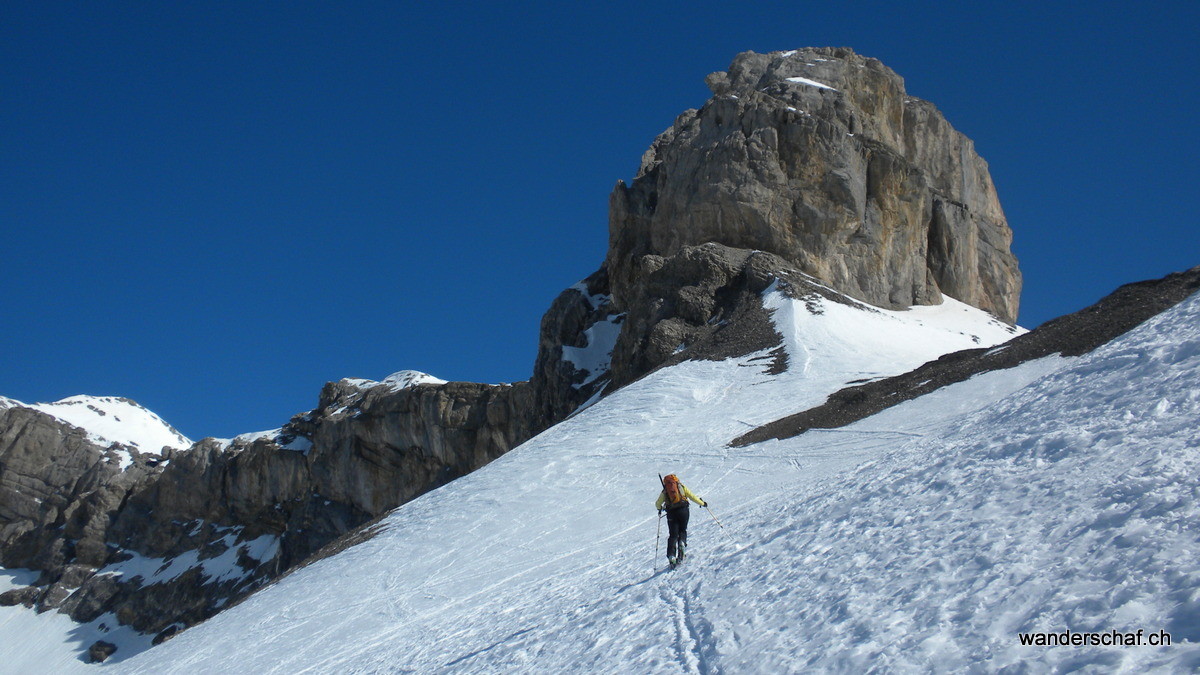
(821, 157)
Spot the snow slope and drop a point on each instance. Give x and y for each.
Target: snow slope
(112, 419)
(51, 642)
(1060, 494)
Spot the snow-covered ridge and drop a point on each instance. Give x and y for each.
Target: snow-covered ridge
(276, 436)
(112, 419)
(831, 345)
(396, 381)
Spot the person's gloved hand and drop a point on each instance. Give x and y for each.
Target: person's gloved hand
(704, 503)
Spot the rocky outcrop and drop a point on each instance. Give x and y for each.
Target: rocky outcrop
(820, 157)
(701, 302)
(59, 493)
(100, 651)
(575, 345)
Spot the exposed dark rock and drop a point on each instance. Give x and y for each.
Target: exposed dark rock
(20, 596)
(705, 303)
(166, 634)
(52, 597)
(95, 597)
(559, 387)
(1070, 335)
(101, 650)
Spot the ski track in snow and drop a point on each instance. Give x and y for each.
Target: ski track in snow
(1053, 495)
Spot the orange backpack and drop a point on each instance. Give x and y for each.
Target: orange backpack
(672, 488)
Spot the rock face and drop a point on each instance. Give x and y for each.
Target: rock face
(805, 163)
(820, 157)
(58, 494)
(701, 302)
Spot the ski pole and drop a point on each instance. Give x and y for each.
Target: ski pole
(714, 517)
(657, 535)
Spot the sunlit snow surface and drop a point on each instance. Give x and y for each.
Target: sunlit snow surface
(1060, 494)
(112, 419)
(396, 381)
(51, 642)
(811, 83)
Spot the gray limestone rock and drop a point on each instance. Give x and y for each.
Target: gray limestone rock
(706, 302)
(819, 156)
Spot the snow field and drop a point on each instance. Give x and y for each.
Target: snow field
(1071, 504)
(51, 642)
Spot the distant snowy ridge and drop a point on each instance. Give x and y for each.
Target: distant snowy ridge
(112, 419)
(396, 381)
(286, 440)
(277, 436)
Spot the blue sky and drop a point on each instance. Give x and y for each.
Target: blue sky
(214, 208)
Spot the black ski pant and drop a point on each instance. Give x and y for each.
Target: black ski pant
(677, 520)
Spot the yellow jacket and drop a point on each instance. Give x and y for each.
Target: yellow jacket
(687, 494)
